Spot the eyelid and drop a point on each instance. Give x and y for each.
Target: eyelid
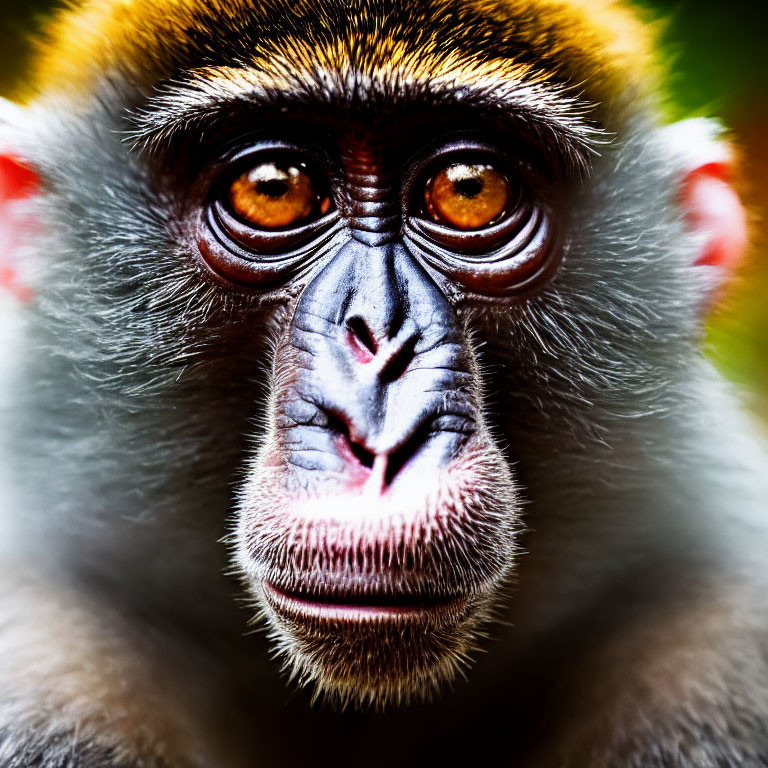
(429, 159)
(477, 240)
(226, 225)
(513, 268)
(240, 151)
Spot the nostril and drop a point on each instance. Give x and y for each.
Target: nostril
(362, 339)
(406, 452)
(362, 462)
(363, 455)
(350, 450)
(398, 362)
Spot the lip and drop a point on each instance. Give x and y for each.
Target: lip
(380, 608)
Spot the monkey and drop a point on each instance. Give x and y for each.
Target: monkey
(354, 408)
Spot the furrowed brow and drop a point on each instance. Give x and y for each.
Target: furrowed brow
(546, 110)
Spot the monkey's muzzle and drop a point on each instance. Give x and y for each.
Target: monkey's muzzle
(380, 516)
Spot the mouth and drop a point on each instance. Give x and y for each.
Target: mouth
(379, 598)
(349, 607)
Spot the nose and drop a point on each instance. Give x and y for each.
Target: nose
(382, 361)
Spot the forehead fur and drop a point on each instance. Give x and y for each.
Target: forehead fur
(600, 46)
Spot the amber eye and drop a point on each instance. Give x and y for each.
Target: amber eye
(274, 195)
(467, 195)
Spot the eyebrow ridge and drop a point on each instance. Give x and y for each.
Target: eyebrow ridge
(202, 96)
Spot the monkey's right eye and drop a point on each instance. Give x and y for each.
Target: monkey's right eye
(274, 195)
(269, 216)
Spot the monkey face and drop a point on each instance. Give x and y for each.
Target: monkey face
(387, 219)
(388, 215)
(389, 210)
(378, 520)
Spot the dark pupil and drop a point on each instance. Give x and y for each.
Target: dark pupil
(272, 188)
(468, 187)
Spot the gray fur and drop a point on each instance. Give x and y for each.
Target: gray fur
(59, 751)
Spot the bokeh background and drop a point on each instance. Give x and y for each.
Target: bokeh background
(718, 53)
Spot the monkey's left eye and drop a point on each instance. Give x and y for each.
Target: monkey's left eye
(467, 195)
(483, 217)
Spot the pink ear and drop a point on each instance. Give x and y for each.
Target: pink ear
(17, 182)
(16, 179)
(714, 211)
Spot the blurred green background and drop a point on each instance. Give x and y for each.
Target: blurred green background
(719, 58)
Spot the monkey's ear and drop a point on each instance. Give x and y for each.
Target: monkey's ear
(18, 182)
(711, 205)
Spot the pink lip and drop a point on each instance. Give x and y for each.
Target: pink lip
(301, 607)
